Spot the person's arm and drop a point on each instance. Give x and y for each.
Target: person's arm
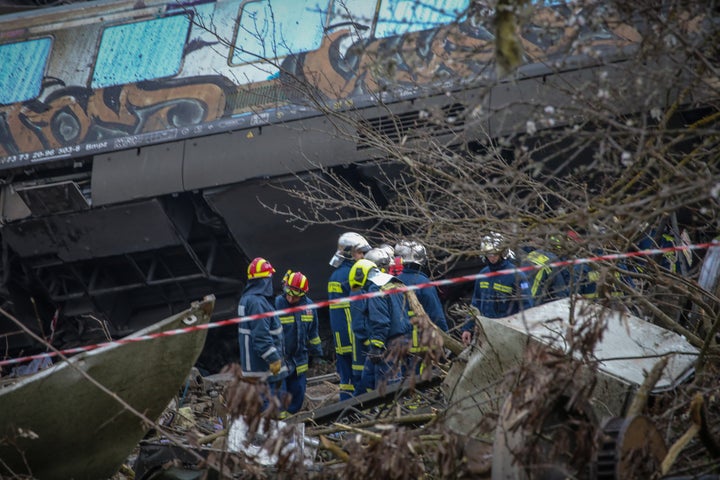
(430, 300)
(262, 342)
(526, 297)
(313, 338)
(378, 320)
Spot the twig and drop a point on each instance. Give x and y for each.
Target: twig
(696, 416)
(640, 399)
(334, 449)
(448, 341)
(420, 418)
(212, 437)
(349, 428)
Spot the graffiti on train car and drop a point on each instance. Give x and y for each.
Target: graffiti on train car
(71, 116)
(70, 120)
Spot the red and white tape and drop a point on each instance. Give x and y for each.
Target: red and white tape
(361, 296)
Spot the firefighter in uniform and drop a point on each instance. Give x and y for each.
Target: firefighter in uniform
(364, 380)
(546, 283)
(351, 247)
(414, 257)
(262, 347)
(498, 295)
(300, 330)
(388, 324)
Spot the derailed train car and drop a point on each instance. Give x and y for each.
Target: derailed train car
(138, 140)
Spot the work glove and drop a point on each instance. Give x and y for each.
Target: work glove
(276, 366)
(376, 354)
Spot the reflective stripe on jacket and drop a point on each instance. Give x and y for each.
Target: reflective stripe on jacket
(387, 315)
(501, 295)
(340, 313)
(300, 330)
(261, 341)
(428, 297)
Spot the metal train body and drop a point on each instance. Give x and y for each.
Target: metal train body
(140, 140)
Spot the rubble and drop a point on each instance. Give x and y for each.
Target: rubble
(421, 429)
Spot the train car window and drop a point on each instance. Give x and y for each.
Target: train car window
(23, 80)
(140, 51)
(397, 17)
(271, 29)
(357, 13)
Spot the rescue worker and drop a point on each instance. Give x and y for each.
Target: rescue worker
(587, 278)
(364, 382)
(262, 346)
(663, 237)
(546, 283)
(300, 330)
(414, 258)
(350, 248)
(498, 296)
(388, 324)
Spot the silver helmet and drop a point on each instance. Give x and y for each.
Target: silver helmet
(380, 257)
(411, 252)
(348, 243)
(494, 244)
(389, 249)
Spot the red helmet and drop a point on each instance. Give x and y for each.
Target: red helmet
(296, 284)
(259, 268)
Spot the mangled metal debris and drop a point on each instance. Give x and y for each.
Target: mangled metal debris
(89, 411)
(627, 349)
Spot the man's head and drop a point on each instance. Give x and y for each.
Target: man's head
(351, 246)
(411, 252)
(379, 257)
(295, 286)
(259, 268)
(492, 246)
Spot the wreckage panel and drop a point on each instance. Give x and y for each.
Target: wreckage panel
(94, 233)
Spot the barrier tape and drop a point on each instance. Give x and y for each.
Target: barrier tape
(363, 296)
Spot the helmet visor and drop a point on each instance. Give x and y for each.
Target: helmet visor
(293, 292)
(336, 261)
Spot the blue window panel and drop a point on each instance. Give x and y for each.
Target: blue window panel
(23, 67)
(140, 51)
(270, 29)
(360, 12)
(397, 17)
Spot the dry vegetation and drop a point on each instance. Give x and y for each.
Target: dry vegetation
(612, 153)
(607, 152)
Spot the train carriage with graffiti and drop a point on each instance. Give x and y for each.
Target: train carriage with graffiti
(136, 137)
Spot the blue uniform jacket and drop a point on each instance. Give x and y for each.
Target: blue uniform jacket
(358, 308)
(502, 295)
(546, 283)
(340, 314)
(670, 260)
(300, 330)
(261, 341)
(428, 297)
(387, 315)
(586, 277)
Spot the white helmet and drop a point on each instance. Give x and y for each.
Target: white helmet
(380, 257)
(389, 249)
(348, 243)
(411, 252)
